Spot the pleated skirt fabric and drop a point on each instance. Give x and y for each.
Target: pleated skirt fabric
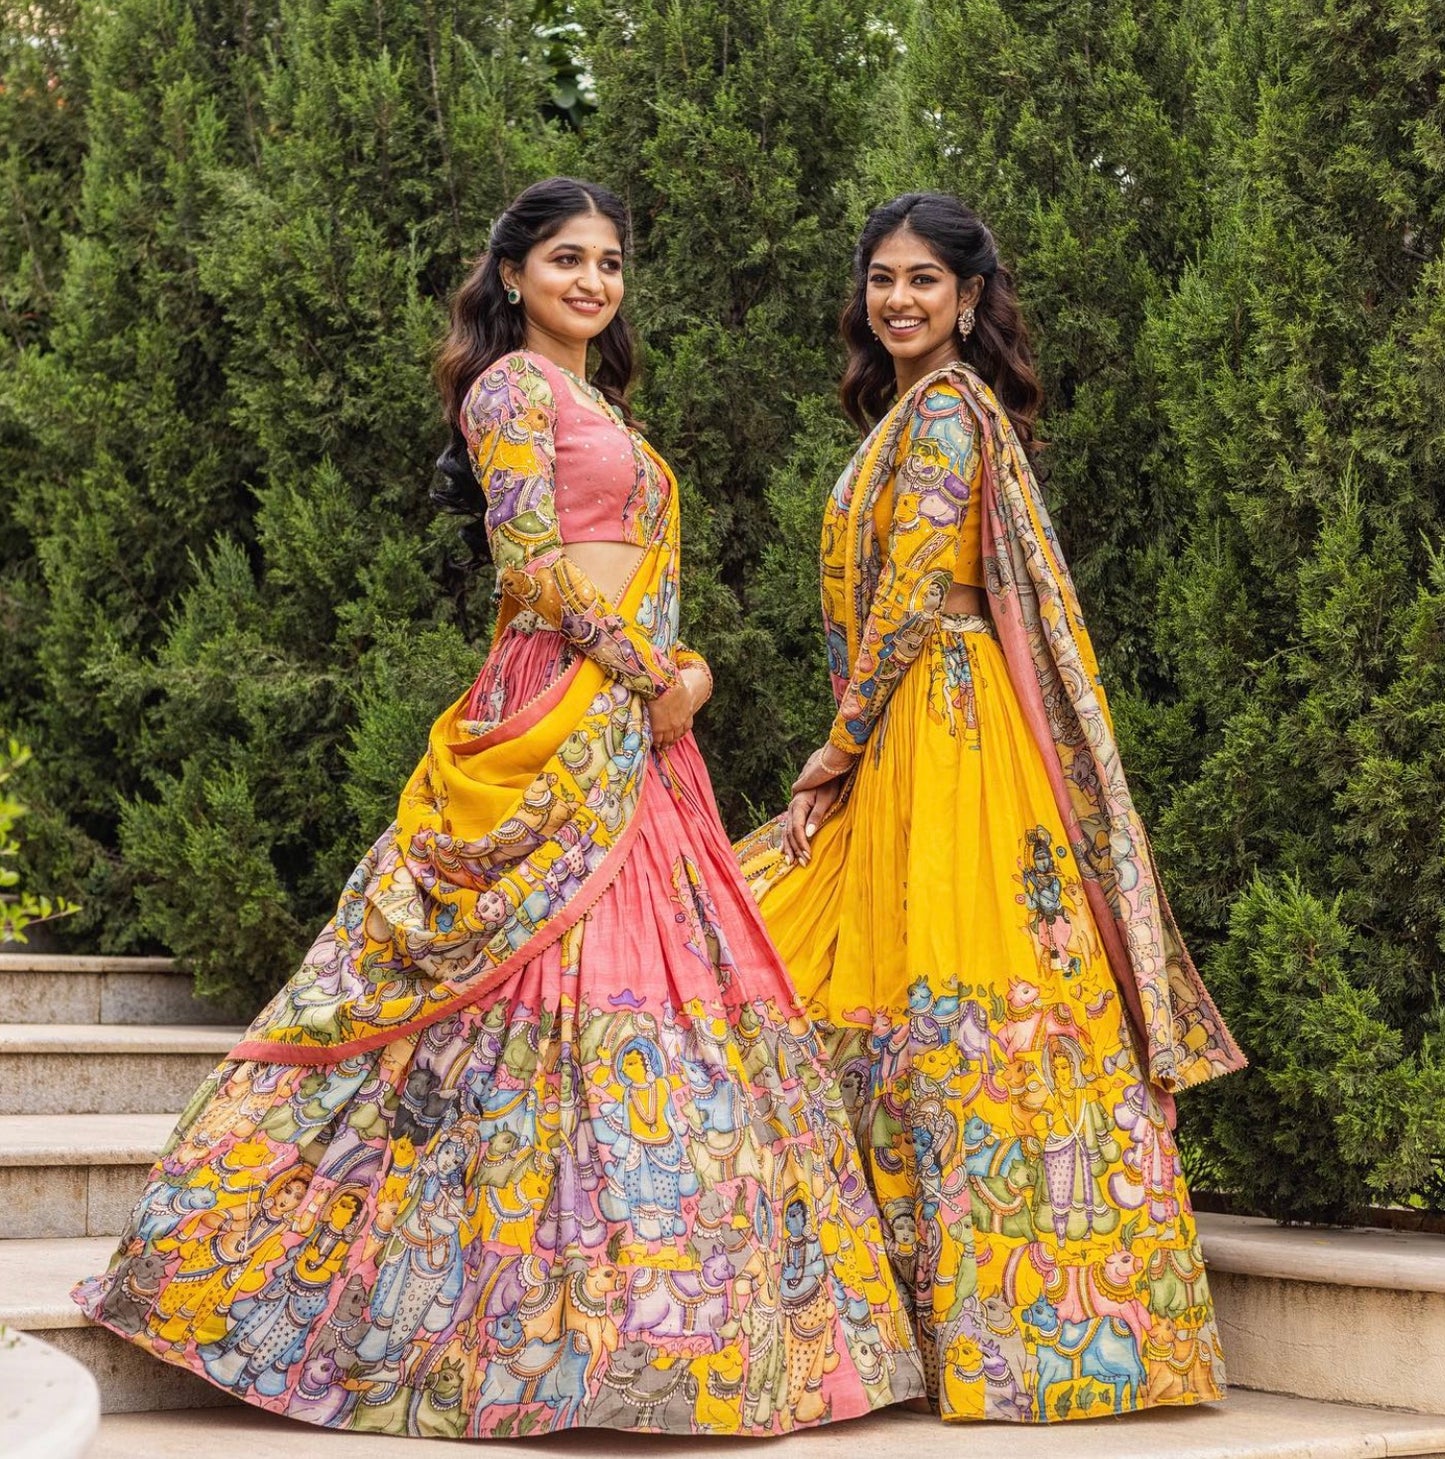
(620, 1190)
(1032, 1194)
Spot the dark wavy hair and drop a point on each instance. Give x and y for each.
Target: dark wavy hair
(484, 327)
(998, 348)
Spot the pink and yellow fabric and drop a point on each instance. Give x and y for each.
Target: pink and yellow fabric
(538, 1137)
(464, 888)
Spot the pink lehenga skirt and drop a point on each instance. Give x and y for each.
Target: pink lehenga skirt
(622, 1190)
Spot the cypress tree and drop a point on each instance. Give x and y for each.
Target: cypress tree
(731, 129)
(130, 461)
(1072, 130)
(1302, 361)
(42, 149)
(290, 697)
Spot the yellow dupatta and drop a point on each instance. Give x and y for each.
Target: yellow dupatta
(466, 884)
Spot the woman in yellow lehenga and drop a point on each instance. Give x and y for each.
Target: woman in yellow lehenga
(964, 894)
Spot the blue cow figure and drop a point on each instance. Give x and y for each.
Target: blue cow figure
(1102, 1348)
(527, 1370)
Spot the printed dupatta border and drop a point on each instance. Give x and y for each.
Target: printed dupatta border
(505, 835)
(1054, 672)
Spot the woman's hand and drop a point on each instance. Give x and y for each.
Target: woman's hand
(806, 812)
(672, 712)
(823, 765)
(815, 792)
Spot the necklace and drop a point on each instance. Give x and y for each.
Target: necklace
(593, 393)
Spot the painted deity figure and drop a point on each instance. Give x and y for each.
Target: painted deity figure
(224, 1255)
(421, 1273)
(271, 1329)
(1046, 896)
(808, 1311)
(647, 1171)
(1079, 1146)
(569, 1218)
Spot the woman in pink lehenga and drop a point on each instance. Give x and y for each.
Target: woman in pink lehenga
(572, 1155)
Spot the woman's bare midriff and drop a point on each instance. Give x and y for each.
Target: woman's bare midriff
(610, 565)
(965, 600)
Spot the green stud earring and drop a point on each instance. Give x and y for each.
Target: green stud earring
(514, 296)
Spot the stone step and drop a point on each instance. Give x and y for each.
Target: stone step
(1330, 1313)
(52, 988)
(1247, 1426)
(116, 1069)
(75, 1175)
(35, 1282)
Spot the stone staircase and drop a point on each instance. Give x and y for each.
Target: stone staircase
(110, 1049)
(97, 1057)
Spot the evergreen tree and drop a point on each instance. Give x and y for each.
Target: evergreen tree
(292, 693)
(42, 149)
(227, 616)
(1301, 768)
(1071, 129)
(731, 129)
(127, 458)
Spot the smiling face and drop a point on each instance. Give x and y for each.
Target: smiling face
(570, 283)
(914, 300)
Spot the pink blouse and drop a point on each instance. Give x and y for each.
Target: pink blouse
(554, 471)
(598, 469)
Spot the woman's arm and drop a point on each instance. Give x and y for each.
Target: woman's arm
(692, 665)
(509, 419)
(935, 483)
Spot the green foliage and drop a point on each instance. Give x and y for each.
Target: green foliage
(1300, 767)
(404, 679)
(227, 615)
(1072, 130)
(19, 909)
(42, 146)
(227, 439)
(388, 139)
(1334, 1112)
(785, 593)
(732, 131)
(42, 150)
(128, 460)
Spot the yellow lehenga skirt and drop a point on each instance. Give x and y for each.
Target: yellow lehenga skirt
(1033, 1198)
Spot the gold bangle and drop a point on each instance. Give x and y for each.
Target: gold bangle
(834, 769)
